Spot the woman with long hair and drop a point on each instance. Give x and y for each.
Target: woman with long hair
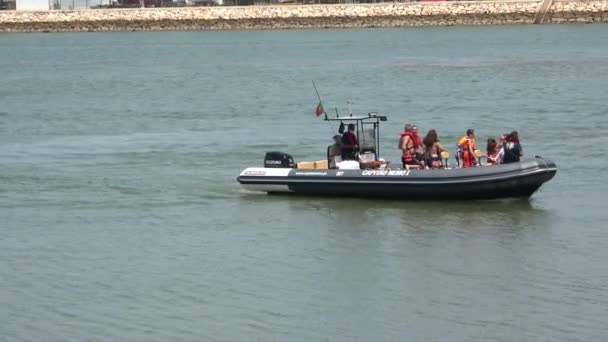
(494, 151)
(432, 150)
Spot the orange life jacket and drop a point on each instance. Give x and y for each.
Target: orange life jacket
(468, 159)
(464, 143)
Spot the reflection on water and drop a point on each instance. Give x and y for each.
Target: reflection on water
(508, 212)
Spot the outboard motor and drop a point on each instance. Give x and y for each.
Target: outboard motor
(277, 159)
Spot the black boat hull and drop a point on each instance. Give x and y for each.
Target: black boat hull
(517, 180)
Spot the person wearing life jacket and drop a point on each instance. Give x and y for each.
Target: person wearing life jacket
(408, 147)
(467, 145)
(512, 148)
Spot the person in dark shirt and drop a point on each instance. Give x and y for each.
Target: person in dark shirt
(350, 144)
(512, 149)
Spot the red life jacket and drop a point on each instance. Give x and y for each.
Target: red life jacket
(410, 152)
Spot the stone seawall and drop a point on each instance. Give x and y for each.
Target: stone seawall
(305, 16)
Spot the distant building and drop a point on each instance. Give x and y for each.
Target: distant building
(33, 5)
(7, 4)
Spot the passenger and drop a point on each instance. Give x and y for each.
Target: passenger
(408, 146)
(512, 148)
(432, 150)
(467, 144)
(458, 155)
(418, 141)
(350, 144)
(495, 152)
(406, 129)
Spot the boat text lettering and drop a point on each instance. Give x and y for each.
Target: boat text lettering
(311, 173)
(385, 173)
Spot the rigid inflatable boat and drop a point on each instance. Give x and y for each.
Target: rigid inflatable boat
(515, 180)
(327, 178)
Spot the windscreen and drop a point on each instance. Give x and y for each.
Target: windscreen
(367, 139)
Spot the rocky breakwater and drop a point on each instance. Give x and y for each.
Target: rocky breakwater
(303, 16)
(578, 12)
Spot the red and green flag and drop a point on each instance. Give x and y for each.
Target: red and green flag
(320, 110)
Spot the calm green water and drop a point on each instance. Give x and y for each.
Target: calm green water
(120, 216)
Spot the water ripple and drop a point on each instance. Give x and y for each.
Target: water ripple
(122, 219)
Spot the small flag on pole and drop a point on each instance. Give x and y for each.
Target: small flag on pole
(320, 110)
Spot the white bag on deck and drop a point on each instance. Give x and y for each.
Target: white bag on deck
(349, 165)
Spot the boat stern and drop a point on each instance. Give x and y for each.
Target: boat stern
(265, 179)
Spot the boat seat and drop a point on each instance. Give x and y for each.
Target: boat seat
(321, 164)
(305, 165)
